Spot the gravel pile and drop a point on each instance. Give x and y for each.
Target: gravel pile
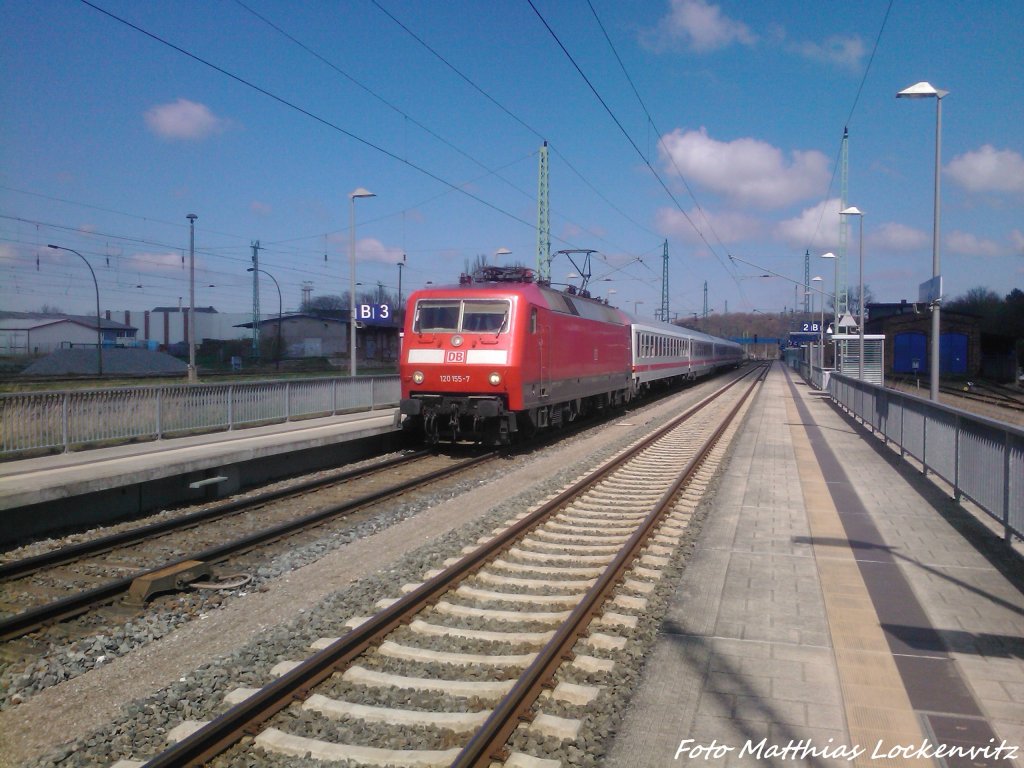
(141, 731)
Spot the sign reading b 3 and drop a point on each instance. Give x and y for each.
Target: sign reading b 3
(374, 314)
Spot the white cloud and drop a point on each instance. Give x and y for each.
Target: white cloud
(154, 262)
(988, 170)
(971, 245)
(1017, 242)
(730, 227)
(847, 52)
(368, 249)
(7, 253)
(899, 237)
(371, 249)
(747, 170)
(184, 119)
(818, 225)
(698, 26)
(260, 208)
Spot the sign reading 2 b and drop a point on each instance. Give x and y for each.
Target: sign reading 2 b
(374, 314)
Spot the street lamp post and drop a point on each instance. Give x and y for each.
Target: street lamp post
(821, 324)
(191, 297)
(359, 192)
(855, 211)
(925, 90)
(277, 353)
(835, 295)
(400, 265)
(835, 287)
(99, 332)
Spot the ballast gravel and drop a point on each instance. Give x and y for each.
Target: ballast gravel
(69, 710)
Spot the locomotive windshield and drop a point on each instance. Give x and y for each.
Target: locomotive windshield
(434, 315)
(469, 316)
(484, 316)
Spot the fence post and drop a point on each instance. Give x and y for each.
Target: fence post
(373, 393)
(924, 444)
(159, 413)
(1007, 535)
(287, 401)
(956, 460)
(231, 407)
(64, 421)
(903, 422)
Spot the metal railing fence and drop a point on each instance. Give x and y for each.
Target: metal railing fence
(80, 418)
(981, 458)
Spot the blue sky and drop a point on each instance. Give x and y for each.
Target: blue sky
(722, 136)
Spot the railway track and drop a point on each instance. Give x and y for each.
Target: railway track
(505, 645)
(999, 397)
(1006, 397)
(138, 563)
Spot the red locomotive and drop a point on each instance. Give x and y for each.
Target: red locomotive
(500, 354)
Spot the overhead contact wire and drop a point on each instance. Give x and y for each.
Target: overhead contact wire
(307, 113)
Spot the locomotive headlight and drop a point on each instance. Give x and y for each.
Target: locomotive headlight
(417, 377)
(494, 379)
(456, 340)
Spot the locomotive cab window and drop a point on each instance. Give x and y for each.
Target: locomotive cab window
(436, 315)
(448, 316)
(485, 316)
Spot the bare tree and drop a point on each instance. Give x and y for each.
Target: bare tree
(325, 303)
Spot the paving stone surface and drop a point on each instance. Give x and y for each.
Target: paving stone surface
(747, 651)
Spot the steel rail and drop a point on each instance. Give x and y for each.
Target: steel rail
(26, 621)
(488, 743)
(246, 717)
(13, 568)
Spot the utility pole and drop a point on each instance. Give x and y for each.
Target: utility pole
(705, 300)
(664, 283)
(543, 219)
(255, 299)
(842, 300)
(400, 265)
(192, 298)
(807, 281)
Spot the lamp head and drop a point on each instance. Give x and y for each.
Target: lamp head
(851, 211)
(828, 255)
(360, 192)
(921, 90)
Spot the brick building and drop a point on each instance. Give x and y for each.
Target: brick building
(907, 327)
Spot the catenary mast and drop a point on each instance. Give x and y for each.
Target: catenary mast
(543, 219)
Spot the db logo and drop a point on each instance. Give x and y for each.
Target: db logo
(455, 356)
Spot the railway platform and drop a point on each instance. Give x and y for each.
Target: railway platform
(50, 493)
(840, 609)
